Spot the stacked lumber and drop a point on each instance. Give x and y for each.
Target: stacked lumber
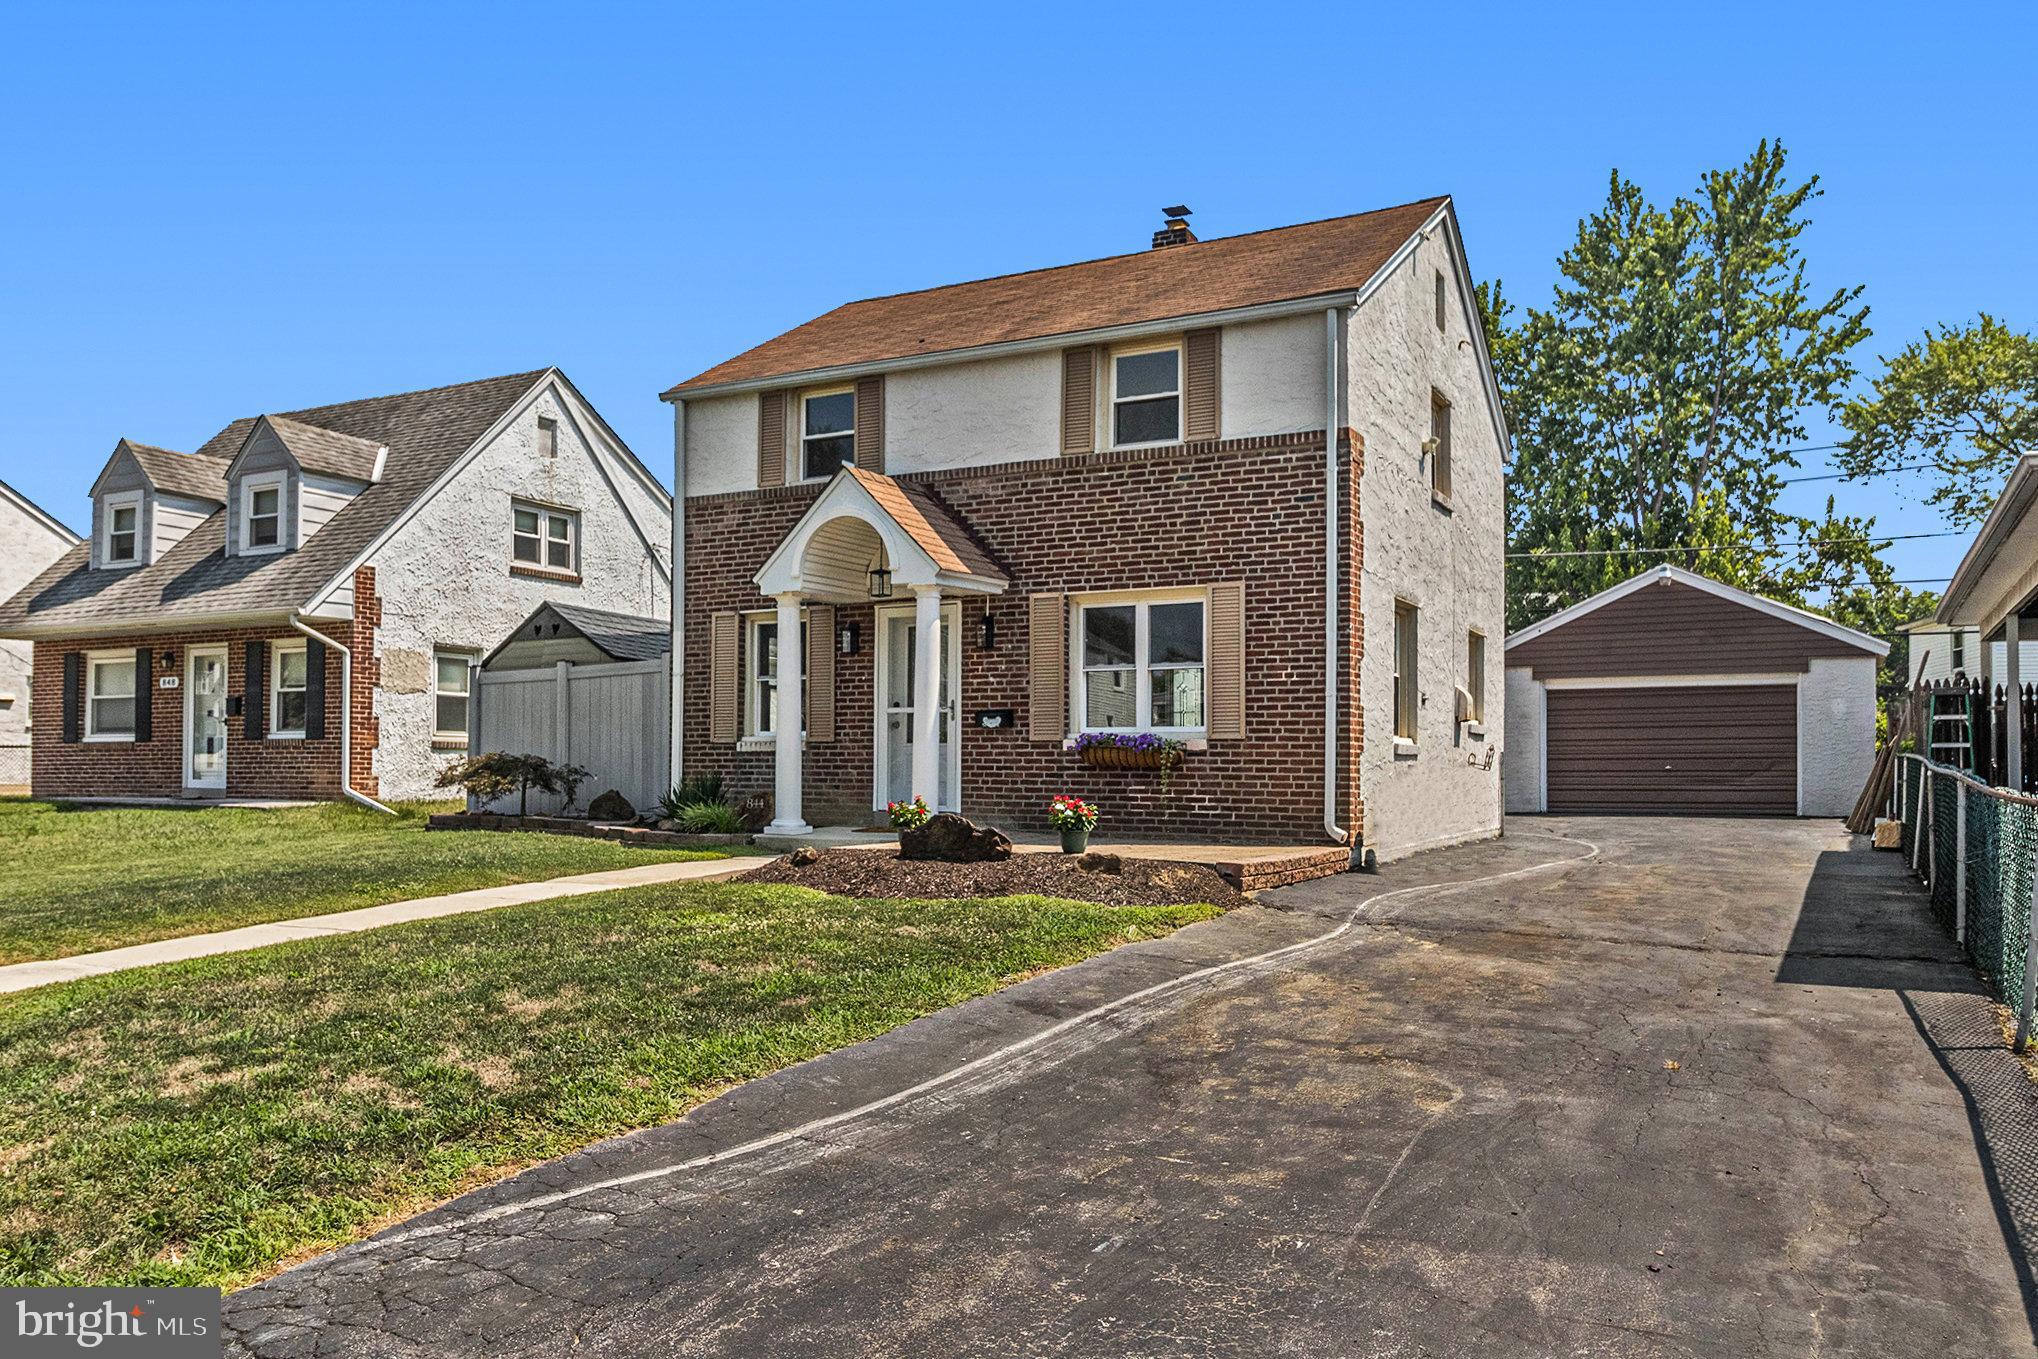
(1882, 778)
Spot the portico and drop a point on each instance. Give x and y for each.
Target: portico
(867, 539)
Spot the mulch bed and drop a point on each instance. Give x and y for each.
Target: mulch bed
(873, 873)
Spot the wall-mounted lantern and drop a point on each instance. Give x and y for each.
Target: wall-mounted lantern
(880, 583)
(987, 635)
(849, 638)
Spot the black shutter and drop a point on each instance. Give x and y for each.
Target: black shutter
(74, 695)
(314, 690)
(253, 686)
(144, 696)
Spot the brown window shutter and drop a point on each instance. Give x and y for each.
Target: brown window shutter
(1078, 400)
(315, 689)
(1200, 392)
(1047, 661)
(771, 438)
(870, 423)
(821, 663)
(144, 696)
(725, 678)
(1225, 666)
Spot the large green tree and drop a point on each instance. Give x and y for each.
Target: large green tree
(1653, 403)
(1964, 400)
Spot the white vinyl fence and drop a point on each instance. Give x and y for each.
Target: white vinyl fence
(612, 720)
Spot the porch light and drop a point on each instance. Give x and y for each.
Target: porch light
(849, 638)
(987, 637)
(880, 582)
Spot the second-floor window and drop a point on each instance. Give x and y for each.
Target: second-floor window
(1146, 396)
(827, 432)
(544, 537)
(123, 531)
(261, 515)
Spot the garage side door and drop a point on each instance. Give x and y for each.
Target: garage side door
(1686, 750)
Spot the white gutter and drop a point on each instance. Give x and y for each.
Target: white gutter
(346, 713)
(1131, 330)
(677, 741)
(1331, 346)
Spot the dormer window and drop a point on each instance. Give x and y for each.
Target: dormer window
(1146, 396)
(827, 432)
(122, 544)
(262, 514)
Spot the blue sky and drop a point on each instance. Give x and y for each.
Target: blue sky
(271, 207)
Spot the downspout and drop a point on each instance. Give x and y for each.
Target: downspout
(1332, 318)
(677, 716)
(346, 714)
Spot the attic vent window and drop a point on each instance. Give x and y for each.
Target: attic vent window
(548, 437)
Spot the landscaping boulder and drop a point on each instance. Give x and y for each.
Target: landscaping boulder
(611, 806)
(803, 857)
(949, 838)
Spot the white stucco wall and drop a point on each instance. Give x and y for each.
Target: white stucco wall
(27, 546)
(445, 578)
(1835, 734)
(1009, 409)
(1522, 771)
(1448, 563)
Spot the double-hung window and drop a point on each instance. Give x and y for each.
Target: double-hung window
(827, 432)
(544, 537)
(122, 545)
(1142, 665)
(110, 696)
(1959, 650)
(288, 689)
(1475, 674)
(262, 514)
(1406, 619)
(450, 679)
(1146, 396)
(762, 663)
(1440, 446)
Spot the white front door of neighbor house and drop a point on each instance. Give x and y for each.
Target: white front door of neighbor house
(897, 644)
(205, 717)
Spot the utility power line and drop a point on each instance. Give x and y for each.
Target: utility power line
(1730, 547)
(1850, 476)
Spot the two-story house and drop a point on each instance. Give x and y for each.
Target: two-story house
(30, 539)
(293, 610)
(1243, 494)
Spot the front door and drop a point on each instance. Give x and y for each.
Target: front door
(205, 718)
(898, 643)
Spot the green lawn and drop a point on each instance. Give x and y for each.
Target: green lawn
(73, 880)
(204, 1122)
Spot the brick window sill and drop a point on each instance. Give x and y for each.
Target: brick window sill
(545, 573)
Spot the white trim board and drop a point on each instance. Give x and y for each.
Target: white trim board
(1657, 575)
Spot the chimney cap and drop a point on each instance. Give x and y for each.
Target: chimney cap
(1178, 210)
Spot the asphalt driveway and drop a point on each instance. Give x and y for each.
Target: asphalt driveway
(1629, 1087)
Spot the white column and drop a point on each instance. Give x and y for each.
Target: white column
(2013, 711)
(787, 722)
(927, 694)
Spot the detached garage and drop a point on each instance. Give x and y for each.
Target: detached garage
(1672, 694)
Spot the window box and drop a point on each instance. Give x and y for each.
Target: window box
(1124, 757)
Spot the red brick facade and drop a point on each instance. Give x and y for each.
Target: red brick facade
(1246, 510)
(270, 767)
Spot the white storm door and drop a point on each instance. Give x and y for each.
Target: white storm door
(205, 717)
(897, 644)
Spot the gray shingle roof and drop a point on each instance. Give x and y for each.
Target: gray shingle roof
(425, 433)
(187, 474)
(623, 636)
(327, 452)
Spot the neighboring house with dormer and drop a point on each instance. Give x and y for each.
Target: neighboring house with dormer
(1244, 494)
(294, 610)
(30, 539)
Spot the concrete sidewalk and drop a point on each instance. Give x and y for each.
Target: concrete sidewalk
(22, 976)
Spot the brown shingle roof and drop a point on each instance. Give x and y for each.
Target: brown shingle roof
(327, 451)
(187, 474)
(425, 433)
(1153, 285)
(925, 520)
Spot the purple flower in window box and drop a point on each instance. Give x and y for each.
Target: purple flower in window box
(1130, 750)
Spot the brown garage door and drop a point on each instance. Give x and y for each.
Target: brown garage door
(1689, 750)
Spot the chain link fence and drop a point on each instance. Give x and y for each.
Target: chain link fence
(1976, 848)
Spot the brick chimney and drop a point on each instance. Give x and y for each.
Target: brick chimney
(1176, 232)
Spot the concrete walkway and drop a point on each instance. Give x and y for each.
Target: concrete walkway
(22, 976)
